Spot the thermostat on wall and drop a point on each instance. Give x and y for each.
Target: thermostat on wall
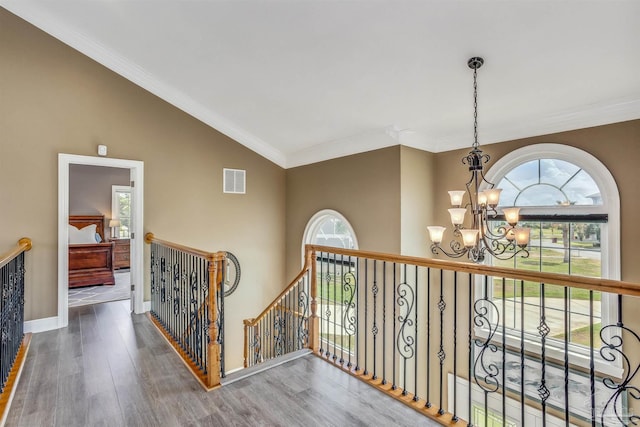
(102, 150)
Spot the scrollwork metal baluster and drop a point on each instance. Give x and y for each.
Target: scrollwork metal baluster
(349, 283)
(405, 342)
(374, 327)
(612, 337)
(303, 331)
(485, 371)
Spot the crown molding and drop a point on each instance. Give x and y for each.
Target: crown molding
(142, 78)
(620, 110)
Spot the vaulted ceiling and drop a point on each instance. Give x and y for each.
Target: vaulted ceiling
(300, 81)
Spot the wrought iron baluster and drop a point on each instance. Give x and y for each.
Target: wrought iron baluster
(428, 398)
(543, 329)
(384, 322)
(394, 336)
(522, 373)
(349, 321)
(455, 347)
(441, 352)
(504, 349)
(485, 371)
(366, 315)
(405, 343)
(374, 329)
(470, 344)
(612, 337)
(566, 355)
(415, 333)
(592, 369)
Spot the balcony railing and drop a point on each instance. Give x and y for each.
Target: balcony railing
(187, 305)
(14, 343)
(470, 344)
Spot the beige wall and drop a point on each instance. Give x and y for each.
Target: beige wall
(90, 190)
(417, 177)
(55, 100)
(365, 188)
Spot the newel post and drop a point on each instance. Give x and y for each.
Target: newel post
(213, 349)
(314, 321)
(247, 325)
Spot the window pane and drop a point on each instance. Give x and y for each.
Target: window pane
(540, 195)
(556, 172)
(509, 193)
(525, 175)
(582, 190)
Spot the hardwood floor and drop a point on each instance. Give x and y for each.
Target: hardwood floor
(111, 368)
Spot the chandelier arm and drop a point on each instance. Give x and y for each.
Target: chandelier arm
(437, 249)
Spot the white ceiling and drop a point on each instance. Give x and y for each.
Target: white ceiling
(300, 81)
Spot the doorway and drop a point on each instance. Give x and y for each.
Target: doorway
(134, 228)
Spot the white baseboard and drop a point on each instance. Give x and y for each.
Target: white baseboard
(41, 325)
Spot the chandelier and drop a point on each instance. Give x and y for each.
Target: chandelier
(502, 242)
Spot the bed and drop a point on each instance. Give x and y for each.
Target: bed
(90, 262)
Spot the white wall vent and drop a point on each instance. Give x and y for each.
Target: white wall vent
(234, 181)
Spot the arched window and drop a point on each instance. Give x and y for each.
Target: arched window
(335, 277)
(329, 228)
(570, 202)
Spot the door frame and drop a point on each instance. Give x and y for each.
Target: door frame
(136, 168)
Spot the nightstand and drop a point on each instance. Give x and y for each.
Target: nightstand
(122, 253)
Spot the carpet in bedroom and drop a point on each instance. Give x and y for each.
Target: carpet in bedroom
(96, 294)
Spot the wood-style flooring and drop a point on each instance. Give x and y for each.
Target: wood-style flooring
(112, 368)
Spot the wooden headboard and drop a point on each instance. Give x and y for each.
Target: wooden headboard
(81, 221)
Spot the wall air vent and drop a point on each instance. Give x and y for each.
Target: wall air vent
(234, 181)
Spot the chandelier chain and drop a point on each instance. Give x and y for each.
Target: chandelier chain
(475, 107)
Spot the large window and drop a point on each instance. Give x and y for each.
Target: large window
(570, 202)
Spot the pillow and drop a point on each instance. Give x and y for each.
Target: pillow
(98, 238)
(82, 236)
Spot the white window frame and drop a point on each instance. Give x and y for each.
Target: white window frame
(115, 205)
(316, 221)
(610, 236)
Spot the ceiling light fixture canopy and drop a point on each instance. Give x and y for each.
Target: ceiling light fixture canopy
(503, 241)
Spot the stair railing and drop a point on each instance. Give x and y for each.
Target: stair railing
(285, 325)
(187, 305)
(14, 343)
(459, 341)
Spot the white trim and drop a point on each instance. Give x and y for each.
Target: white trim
(137, 261)
(312, 227)
(41, 325)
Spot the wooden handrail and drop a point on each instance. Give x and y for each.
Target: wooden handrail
(209, 256)
(574, 281)
(23, 245)
(276, 301)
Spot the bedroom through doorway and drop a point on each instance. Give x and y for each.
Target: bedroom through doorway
(102, 195)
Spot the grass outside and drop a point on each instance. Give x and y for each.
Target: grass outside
(581, 336)
(331, 289)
